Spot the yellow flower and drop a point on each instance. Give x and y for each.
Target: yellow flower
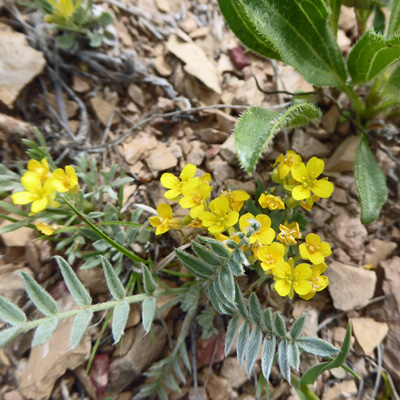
(271, 256)
(289, 233)
(306, 177)
(289, 279)
(176, 185)
(314, 250)
(194, 196)
(286, 162)
(272, 202)
(220, 218)
(64, 8)
(65, 181)
(40, 168)
(317, 281)
(265, 235)
(236, 198)
(308, 203)
(165, 220)
(46, 229)
(41, 196)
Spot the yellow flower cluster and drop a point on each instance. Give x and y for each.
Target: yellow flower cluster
(42, 186)
(220, 217)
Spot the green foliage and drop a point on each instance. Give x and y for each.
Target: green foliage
(370, 181)
(394, 21)
(257, 127)
(120, 317)
(371, 55)
(335, 6)
(206, 321)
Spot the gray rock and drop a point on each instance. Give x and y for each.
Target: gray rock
(307, 146)
(211, 135)
(228, 151)
(220, 169)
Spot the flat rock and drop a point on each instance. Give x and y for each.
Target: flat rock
(218, 388)
(221, 170)
(103, 110)
(134, 149)
(377, 251)
(144, 351)
(341, 391)
(161, 158)
(196, 156)
(369, 333)
(19, 64)
(11, 286)
(350, 287)
(308, 146)
(343, 158)
(212, 136)
(233, 373)
(228, 151)
(17, 238)
(330, 119)
(249, 186)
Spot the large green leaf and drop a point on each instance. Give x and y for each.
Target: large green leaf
(394, 21)
(335, 6)
(392, 87)
(370, 181)
(371, 55)
(301, 33)
(257, 127)
(243, 27)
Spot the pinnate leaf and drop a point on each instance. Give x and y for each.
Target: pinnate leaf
(267, 355)
(242, 341)
(148, 310)
(115, 286)
(231, 334)
(9, 334)
(81, 323)
(253, 349)
(227, 284)
(44, 331)
(283, 359)
(148, 281)
(10, 313)
(255, 309)
(257, 127)
(194, 265)
(298, 327)
(316, 346)
(120, 317)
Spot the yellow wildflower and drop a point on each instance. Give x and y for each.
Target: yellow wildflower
(289, 279)
(41, 196)
(265, 235)
(272, 202)
(64, 8)
(220, 218)
(165, 220)
(289, 233)
(306, 177)
(46, 229)
(286, 162)
(65, 181)
(40, 168)
(175, 184)
(236, 198)
(271, 256)
(318, 281)
(308, 203)
(314, 250)
(194, 197)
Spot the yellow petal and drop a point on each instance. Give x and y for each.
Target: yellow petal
(73, 179)
(317, 258)
(187, 202)
(282, 287)
(188, 172)
(172, 194)
(267, 236)
(23, 197)
(155, 221)
(322, 188)
(164, 210)
(39, 205)
(170, 181)
(318, 269)
(243, 221)
(233, 217)
(301, 193)
(302, 271)
(304, 253)
(325, 249)
(312, 239)
(216, 228)
(31, 182)
(299, 171)
(315, 166)
(277, 249)
(208, 218)
(302, 287)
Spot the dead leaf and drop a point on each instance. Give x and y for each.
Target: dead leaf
(161, 158)
(196, 62)
(19, 64)
(369, 333)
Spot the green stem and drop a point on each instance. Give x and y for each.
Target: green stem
(384, 105)
(117, 246)
(304, 389)
(355, 100)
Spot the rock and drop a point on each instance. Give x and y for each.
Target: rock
(220, 169)
(210, 349)
(13, 395)
(338, 335)
(339, 196)
(49, 362)
(218, 388)
(161, 158)
(201, 395)
(330, 119)
(384, 161)
(344, 41)
(377, 251)
(343, 157)
(93, 280)
(103, 110)
(136, 94)
(162, 66)
(249, 187)
(307, 146)
(212, 136)
(233, 373)
(135, 149)
(17, 238)
(19, 64)
(228, 151)
(145, 350)
(238, 57)
(13, 126)
(71, 107)
(318, 133)
(176, 149)
(188, 25)
(11, 286)
(369, 333)
(163, 6)
(79, 84)
(200, 32)
(341, 391)
(196, 157)
(347, 19)
(350, 287)
(226, 122)
(302, 307)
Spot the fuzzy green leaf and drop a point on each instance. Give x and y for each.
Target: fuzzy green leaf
(212, 295)
(235, 267)
(371, 55)
(120, 317)
(253, 349)
(224, 303)
(392, 87)
(115, 286)
(335, 6)
(283, 359)
(148, 281)
(178, 370)
(231, 334)
(316, 346)
(9, 334)
(81, 323)
(242, 342)
(294, 355)
(267, 355)
(298, 327)
(206, 321)
(148, 310)
(268, 319)
(44, 331)
(217, 247)
(301, 33)
(255, 309)
(370, 181)
(206, 255)
(227, 284)
(42, 300)
(11, 313)
(257, 127)
(394, 21)
(185, 357)
(78, 291)
(194, 265)
(239, 301)
(245, 29)
(279, 324)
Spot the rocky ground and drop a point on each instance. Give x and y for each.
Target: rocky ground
(168, 94)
